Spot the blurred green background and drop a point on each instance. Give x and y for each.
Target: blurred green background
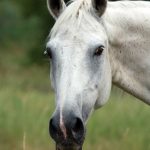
(27, 101)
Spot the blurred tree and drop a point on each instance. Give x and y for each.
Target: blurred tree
(27, 23)
(37, 9)
(9, 18)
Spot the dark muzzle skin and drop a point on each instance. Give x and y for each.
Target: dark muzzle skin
(75, 147)
(75, 132)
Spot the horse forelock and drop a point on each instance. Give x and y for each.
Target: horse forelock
(73, 14)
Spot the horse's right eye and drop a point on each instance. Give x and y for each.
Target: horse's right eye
(48, 53)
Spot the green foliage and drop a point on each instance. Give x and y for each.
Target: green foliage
(38, 9)
(9, 20)
(26, 23)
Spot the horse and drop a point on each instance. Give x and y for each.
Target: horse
(92, 45)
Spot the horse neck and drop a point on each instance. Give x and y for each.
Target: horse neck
(128, 31)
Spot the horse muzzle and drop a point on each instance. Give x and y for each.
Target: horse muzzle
(68, 135)
(73, 147)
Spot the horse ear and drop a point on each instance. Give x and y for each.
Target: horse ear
(56, 7)
(99, 6)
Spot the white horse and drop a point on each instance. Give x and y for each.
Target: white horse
(93, 44)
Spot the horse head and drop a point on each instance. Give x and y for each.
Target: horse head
(80, 68)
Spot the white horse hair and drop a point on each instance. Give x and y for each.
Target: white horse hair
(93, 44)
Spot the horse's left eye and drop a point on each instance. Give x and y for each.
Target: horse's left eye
(99, 51)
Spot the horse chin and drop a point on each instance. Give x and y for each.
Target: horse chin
(71, 147)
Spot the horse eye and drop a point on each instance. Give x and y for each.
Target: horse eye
(48, 52)
(99, 51)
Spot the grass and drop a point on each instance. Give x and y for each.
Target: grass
(121, 124)
(27, 102)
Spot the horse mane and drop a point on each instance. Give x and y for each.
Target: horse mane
(77, 10)
(131, 4)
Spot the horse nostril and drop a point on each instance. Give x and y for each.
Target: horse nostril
(78, 129)
(78, 125)
(52, 128)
